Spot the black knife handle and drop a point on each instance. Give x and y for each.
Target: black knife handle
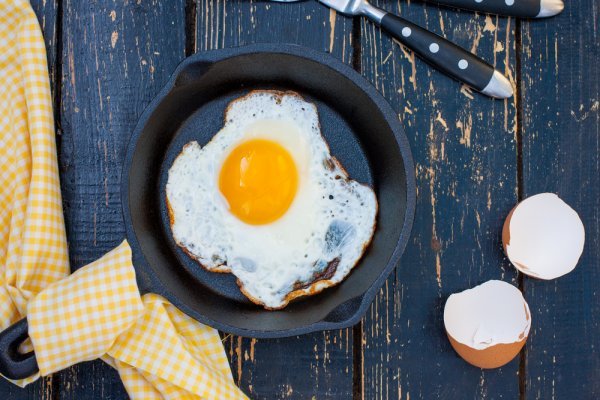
(513, 8)
(439, 52)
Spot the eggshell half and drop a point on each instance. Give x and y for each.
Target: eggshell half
(543, 236)
(492, 357)
(488, 324)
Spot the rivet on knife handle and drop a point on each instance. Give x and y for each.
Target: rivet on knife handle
(513, 8)
(448, 57)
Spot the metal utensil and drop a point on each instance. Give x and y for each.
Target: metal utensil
(511, 8)
(442, 54)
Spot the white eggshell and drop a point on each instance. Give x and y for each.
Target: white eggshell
(545, 237)
(492, 313)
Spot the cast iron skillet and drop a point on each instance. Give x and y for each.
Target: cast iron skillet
(363, 133)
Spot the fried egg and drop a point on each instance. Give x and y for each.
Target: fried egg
(266, 201)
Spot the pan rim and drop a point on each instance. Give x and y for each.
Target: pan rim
(144, 273)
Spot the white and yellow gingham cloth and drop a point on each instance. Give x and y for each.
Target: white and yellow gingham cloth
(97, 312)
(159, 351)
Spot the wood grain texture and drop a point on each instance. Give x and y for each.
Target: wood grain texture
(230, 23)
(561, 146)
(116, 55)
(41, 389)
(47, 13)
(465, 153)
(318, 365)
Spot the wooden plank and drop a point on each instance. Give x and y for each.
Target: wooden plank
(116, 55)
(230, 23)
(311, 366)
(561, 134)
(465, 153)
(46, 12)
(41, 389)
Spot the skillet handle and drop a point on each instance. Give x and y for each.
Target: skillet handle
(14, 364)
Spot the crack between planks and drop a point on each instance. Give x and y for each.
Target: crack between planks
(518, 99)
(357, 330)
(56, 78)
(520, 183)
(357, 361)
(190, 27)
(356, 44)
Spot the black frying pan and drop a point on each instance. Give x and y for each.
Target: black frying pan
(363, 133)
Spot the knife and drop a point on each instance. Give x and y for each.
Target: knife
(440, 53)
(511, 8)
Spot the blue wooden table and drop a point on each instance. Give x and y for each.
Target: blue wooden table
(475, 158)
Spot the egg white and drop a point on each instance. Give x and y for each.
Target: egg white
(330, 218)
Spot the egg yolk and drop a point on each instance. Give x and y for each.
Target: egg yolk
(259, 181)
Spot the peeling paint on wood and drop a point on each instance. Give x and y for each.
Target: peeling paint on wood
(105, 88)
(108, 59)
(561, 154)
(464, 152)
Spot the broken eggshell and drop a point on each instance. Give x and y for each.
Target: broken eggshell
(543, 236)
(488, 324)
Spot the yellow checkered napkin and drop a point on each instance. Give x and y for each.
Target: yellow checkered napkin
(33, 247)
(160, 352)
(79, 318)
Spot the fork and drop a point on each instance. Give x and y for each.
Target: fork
(440, 53)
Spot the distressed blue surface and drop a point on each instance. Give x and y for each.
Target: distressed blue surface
(474, 158)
